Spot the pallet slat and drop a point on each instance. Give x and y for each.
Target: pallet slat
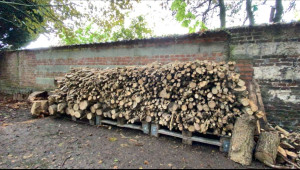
(155, 130)
(120, 122)
(188, 137)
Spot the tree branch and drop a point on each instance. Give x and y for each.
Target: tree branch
(205, 12)
(199, 5)
(10, 22)
(15, 3)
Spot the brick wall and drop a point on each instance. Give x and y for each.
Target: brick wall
(270, 54)
(274, 54)
(36, 69)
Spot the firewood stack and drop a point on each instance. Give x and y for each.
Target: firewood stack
(197, 96)
(289, 147)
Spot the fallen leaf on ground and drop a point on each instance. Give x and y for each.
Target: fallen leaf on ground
(124, 145)
(28, 156)
(115, 167)
(123, 137)
(146, 162)
(136, 143)
(139, 144)
(141, 167)
(100, 162)
(61, 144)
(5, 124)
(116, 160)
(133, 140)
(113, 139)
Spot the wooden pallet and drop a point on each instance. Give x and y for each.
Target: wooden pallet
(188, 137)
(91, 122)
(121, 122)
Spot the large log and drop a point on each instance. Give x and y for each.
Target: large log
(267, 147)
(242, 141)
(38, 95)
(39, 107)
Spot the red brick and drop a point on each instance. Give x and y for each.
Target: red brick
(246, 69)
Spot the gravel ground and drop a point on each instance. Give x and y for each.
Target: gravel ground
(60, 143)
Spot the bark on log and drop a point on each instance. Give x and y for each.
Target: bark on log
(53, 109)
(242, 141)
(39, 107)
(267, 147)
(61, 107)
(38, 95)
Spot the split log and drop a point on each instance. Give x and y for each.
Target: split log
(83, 105)
(242, 141)
(267, 147)
(61, 107)
(90, 116)
(99, 112)
(78, 114)
(53, 109)
(39, 107)
(38, 95)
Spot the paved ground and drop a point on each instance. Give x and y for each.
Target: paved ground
(61, 143)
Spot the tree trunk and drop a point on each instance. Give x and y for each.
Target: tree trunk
(272, 14)
(279, 11)
(242, 141)
(250, 12)
(222, 13)
(267, 146)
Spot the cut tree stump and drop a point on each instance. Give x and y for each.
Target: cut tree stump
(242, 141)
(267, 147)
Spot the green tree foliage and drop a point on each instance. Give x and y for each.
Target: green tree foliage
(23, 20)
(19, 23)
(195, 14)
(109, 27)
(137, 29)
(186, 17)
(190, 13)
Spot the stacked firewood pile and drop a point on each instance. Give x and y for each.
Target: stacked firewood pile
(289, 147)
(199, 96)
